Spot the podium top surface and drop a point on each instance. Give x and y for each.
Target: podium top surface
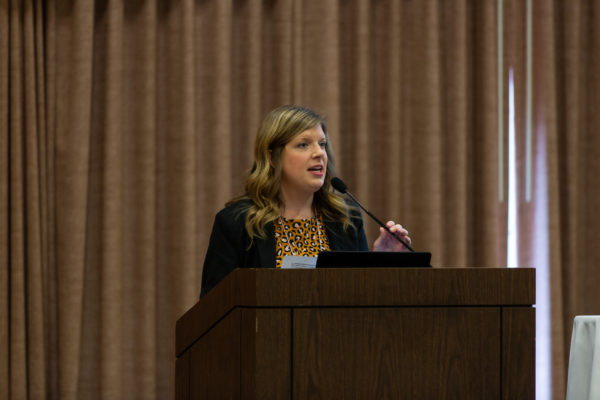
(357, 287)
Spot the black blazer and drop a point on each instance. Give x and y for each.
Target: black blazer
(228, 246)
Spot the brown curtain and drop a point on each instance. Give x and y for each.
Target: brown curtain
(566, 100)
(125, 125)
(577, 139)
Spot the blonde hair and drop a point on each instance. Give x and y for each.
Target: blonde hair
(263, 184)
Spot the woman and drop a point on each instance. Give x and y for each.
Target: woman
(290, 208)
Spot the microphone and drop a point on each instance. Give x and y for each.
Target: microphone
(341, 187)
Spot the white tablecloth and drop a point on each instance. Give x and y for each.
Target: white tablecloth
(584, 359)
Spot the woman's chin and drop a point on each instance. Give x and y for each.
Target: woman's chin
(316, 188)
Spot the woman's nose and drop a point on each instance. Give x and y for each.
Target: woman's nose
(319, 151)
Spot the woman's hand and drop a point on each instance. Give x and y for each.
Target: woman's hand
(385, 241)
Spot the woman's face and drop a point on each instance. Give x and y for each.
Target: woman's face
(304, 163)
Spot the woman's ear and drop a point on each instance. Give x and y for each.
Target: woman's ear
(271, 163)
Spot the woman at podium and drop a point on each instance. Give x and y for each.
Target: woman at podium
(289, 212)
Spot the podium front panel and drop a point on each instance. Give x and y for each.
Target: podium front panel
(376, 353)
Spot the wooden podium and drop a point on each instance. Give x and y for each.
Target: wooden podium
(423, 333)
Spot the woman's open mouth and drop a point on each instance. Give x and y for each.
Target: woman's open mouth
(318, 170)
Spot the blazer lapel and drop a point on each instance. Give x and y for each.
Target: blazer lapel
(338, 240)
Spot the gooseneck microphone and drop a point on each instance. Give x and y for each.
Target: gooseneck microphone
(341, 187)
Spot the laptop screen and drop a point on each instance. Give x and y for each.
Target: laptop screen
(373, 259)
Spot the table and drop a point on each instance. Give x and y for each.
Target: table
(584, 359)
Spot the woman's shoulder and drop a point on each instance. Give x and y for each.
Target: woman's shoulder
(235, 210)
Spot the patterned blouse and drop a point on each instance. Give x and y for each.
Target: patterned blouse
(299, 237)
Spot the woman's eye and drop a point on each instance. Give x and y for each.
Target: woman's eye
(323, 144)
(302, 145)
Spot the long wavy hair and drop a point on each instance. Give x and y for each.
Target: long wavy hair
(263, 184)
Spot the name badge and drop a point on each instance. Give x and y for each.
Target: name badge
(289, 262)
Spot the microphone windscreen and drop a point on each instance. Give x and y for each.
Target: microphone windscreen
(339, 185)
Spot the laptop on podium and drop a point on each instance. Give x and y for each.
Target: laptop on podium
(373, 259)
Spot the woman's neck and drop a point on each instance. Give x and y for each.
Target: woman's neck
(294, 207)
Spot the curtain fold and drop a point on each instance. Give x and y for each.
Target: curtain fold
(571, 126)
(544, 114)
(126, 125)
(22, 198)
(5, 364)
(138, 132)
(70, 103)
